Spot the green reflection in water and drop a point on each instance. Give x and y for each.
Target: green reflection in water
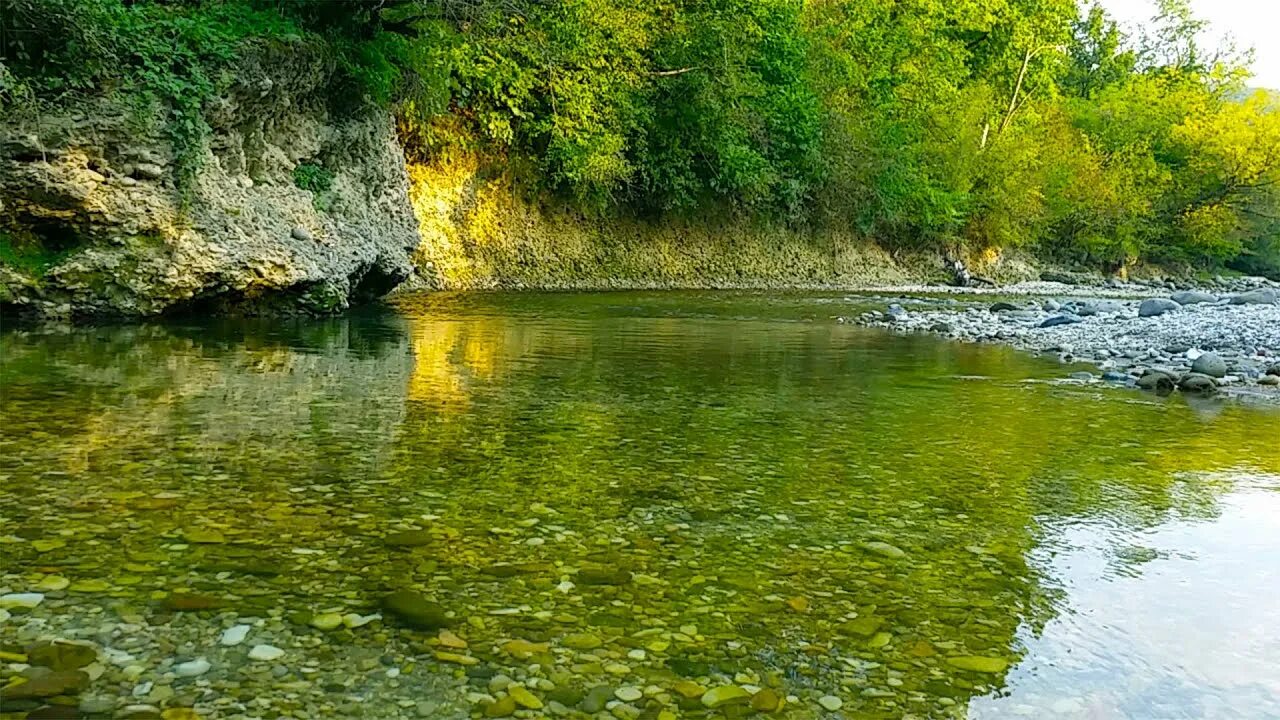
(645, 490)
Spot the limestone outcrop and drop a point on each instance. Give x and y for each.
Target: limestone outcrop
(291, 202)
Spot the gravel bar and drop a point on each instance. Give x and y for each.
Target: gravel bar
(1195, 340)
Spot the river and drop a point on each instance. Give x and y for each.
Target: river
(632, 504)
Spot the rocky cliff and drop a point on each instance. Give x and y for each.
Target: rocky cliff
(294, 202)
(480, 229)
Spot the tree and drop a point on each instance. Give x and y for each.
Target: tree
(1097, 56)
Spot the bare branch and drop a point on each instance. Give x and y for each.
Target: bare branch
(670, 73)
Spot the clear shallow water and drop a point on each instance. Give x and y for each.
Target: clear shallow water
(649, 491)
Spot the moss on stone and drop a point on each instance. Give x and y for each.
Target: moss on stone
(25, 254)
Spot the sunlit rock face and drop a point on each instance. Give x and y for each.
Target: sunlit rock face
(108, 216)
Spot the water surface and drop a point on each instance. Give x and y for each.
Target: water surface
(670, 492)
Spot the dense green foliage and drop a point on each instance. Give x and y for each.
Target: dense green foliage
(310, 176)
(27, 255)
(968, 123)
(318, 180)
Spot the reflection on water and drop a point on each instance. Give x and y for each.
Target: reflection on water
(622, 501)
(1170, 621)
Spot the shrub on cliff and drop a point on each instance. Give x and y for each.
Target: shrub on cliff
(168, 58)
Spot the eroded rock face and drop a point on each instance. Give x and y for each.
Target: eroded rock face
(98, 204)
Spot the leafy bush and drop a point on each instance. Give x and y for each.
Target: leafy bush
(318, 180)
(313, 177)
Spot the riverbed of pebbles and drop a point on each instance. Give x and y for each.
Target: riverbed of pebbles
(173, 606)
(1199, 341)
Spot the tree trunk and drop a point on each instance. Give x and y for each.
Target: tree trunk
(1017, 90)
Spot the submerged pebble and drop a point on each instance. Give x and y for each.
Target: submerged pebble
(234, 635)
(265, 653)
(192, 668)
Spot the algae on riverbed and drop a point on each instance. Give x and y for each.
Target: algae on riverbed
(699, 498)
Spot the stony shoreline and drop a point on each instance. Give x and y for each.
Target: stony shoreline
(1221, 337)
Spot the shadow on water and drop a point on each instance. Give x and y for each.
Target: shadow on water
(644, 489)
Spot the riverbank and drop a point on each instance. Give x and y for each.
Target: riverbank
(1224, 336)
(480, 230)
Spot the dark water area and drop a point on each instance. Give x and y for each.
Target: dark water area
(649, 505)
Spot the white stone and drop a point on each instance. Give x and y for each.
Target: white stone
(355, 620)
(21, 600)
(628, 694)
(265, 653)
(234, 635)
(193, 668)
(116, 657)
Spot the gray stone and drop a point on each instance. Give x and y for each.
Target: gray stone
(148, 171)
(1261, 296)
(1274, 369)
(1157, 381)
(1151, 307)
(301, 233)
(1197, 383)
(1003, 307)
(1191, 297)
(1210, 364)
(1094, 307)
(1064, 319)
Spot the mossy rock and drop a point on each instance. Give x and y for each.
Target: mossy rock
(415, 610)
